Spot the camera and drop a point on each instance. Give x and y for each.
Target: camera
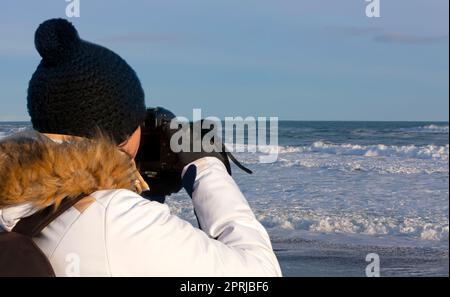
(159, 165)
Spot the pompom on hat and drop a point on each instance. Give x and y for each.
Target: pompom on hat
(80, 87)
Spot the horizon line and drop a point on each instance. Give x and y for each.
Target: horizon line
(293, 120)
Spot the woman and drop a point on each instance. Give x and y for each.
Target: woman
(78, 90)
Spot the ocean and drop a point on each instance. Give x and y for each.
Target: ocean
(342, 190)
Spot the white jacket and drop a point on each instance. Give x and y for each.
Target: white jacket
(123, 234)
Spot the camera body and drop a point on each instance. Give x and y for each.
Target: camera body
(157, 163)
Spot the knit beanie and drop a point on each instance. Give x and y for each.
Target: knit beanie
(80, 88)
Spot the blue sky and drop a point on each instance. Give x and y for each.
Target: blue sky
(295, 59)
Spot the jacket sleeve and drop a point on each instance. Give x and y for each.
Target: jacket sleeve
(143, 239)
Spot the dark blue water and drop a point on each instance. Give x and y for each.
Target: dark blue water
(296, 133)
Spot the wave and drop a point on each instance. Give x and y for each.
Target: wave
(434, 152)
(317, 222)
(412, 227)
(427, 129)
(358, 166)
(409, 151)
(7, 131)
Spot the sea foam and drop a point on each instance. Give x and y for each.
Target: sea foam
(379, 150)
(427, 129)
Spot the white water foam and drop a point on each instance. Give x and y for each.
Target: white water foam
(381, 159)
(410, 151)
(407, 151)
(427, 129)
(313, 221)
(11, 131)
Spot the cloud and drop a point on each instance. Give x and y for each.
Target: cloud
(140, 38)
(380, 35)
(353, 30)
(410, 39)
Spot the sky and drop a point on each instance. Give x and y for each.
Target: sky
(294, 59)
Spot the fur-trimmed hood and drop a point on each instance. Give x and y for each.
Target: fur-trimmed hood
(38, 171)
